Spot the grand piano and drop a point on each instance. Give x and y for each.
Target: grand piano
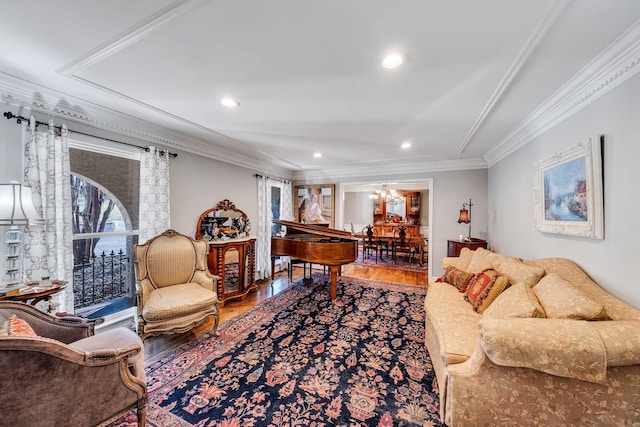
(316, 244)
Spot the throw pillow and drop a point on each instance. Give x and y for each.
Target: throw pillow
(561, 299)
(516, 301)
(484, 288)
(466, 255)
(517, 271)
(20, 328)
(482, 259)
(456, 277)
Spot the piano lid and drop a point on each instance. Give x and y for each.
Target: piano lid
(315, 229)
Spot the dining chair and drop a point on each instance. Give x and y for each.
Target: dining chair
(401, 243)
(370, 242)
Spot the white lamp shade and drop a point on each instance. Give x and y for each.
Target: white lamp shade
(16, 205)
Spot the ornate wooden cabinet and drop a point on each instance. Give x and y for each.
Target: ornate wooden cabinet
(232, 251)
(406, 211)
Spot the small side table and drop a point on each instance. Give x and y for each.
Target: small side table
(35, 293)
(455, 246)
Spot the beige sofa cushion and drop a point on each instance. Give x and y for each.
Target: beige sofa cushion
(517, 271)
(481, 260)
(466, 255)
(569, 270)
(561, 300)
(453, 319)
(177, 301)
(517, 301)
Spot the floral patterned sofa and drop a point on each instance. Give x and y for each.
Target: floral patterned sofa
(544, 346)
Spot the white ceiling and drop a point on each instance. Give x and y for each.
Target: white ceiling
(477, 76)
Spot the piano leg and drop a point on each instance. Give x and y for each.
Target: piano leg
(333, 271)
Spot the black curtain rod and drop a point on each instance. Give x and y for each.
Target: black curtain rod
(9, 115)
(276, 179)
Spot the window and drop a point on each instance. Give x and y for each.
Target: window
(102, 249)
(105, 200)
(276, 209)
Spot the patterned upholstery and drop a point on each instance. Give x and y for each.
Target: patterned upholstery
(514, 366)
(174, 287)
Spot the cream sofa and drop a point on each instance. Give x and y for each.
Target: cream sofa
(553, 349)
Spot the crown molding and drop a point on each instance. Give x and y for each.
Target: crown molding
(615, 65)
(134, 34)
(21, 93)
(383, 171)
(527, 50)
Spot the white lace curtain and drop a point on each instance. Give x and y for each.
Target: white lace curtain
(155, 215)
(263, 243)
(265, 220)
(48, 250)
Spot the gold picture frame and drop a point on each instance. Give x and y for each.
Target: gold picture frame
(314, 204)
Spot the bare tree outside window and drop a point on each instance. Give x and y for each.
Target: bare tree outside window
(102, 273)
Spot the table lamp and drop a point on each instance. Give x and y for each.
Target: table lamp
(16, 209)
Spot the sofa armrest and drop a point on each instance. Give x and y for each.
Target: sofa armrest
(65, 329)
(621, 339)
(566, 348)
(66, 386)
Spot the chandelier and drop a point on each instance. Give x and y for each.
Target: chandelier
(386, 194)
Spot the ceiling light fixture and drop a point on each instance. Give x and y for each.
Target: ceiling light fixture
(406, 145)
(317, 155)
(229, 102)
(385, 194)
(393, 60)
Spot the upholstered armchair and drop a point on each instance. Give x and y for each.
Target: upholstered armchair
(175, 289)
(55, 371)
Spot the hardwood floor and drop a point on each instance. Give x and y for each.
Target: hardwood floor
(156, 347)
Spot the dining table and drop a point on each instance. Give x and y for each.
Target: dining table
(418, 241)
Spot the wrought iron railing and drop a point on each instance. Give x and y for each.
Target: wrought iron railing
(103, 278)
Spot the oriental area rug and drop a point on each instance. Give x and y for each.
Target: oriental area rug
(386, 260)
(301, 359)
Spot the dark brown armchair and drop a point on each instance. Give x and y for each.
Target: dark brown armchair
(66, 375)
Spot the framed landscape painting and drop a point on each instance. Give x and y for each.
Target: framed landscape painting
(314, 204)
(568, 191)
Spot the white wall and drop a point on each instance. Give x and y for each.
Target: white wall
(10, 149)
(199, 183)
(358, 210)
(610, 262)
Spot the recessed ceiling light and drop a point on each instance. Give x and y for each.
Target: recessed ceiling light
(229, 102)
(317, 155)
(393, 60)
(406, 145)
